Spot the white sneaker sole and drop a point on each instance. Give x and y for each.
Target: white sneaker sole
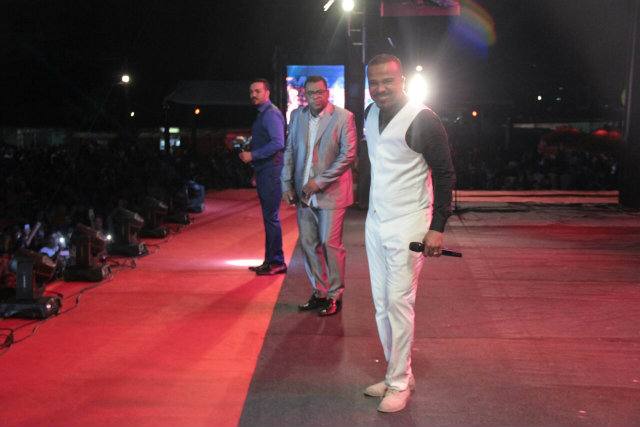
(372, 392)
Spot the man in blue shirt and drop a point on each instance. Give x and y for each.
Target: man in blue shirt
(267, 146)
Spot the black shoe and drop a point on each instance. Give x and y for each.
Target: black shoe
(262, 266)
(313, 303)
(331, 307)
(272, 268)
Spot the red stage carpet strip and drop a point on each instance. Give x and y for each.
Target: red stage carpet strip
(173, 342)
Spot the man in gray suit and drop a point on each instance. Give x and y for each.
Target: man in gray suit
(316, 177)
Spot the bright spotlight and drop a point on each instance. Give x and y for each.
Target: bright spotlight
(348, 5)
(125, 78)
(328, 4)
(418, 89)
(419, 68)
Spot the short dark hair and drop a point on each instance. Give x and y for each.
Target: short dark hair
(316, 79)
(267, 86)
(384, 58)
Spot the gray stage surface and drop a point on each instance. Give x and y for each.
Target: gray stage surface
(537, 325)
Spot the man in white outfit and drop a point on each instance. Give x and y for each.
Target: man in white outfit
(412, 180)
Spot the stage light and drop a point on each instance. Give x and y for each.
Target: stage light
(328, 4)
(178, 208)
(154, 212)
(86, 246)
(348, 5)
(126, 225)
(189, 198)
(418, 89)
(195, 196)
(33, 270)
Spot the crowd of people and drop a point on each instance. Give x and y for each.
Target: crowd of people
(57, 186)
(526, 165)
(47, 190)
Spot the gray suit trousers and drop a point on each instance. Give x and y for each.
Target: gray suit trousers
(324, 254)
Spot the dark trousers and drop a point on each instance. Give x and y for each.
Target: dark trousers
(268, 185)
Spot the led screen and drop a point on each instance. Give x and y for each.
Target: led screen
(367, 96)
(297, 75)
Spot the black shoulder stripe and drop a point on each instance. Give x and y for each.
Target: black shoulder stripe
(366, 111)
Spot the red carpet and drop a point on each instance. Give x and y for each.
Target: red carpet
(173, 342)
(537, 325)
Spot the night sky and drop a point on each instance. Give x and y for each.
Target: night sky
(60, 60)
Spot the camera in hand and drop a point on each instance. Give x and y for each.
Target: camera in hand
(419, 247)
(240, 144)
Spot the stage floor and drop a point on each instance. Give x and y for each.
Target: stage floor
(538, 324)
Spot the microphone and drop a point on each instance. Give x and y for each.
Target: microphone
(419, 247)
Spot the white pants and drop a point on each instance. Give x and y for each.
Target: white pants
(394, 271)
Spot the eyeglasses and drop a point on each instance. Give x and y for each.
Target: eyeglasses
(311, 93)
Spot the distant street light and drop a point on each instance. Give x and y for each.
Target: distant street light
(125, 79)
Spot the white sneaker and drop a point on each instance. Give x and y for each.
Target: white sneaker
(394, 400)
(379, 389)
(376, 390)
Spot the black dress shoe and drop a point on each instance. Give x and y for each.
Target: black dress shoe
(331, 307)
(262, 266)
(272, 268)
(313, 303)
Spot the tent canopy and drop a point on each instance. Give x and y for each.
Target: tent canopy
(210, 92)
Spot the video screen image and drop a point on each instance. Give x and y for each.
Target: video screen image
(297, 75)
(367, 95)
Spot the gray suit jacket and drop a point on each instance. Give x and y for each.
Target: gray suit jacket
(333, 153)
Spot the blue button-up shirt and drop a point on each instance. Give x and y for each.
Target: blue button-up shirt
(267, 132)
